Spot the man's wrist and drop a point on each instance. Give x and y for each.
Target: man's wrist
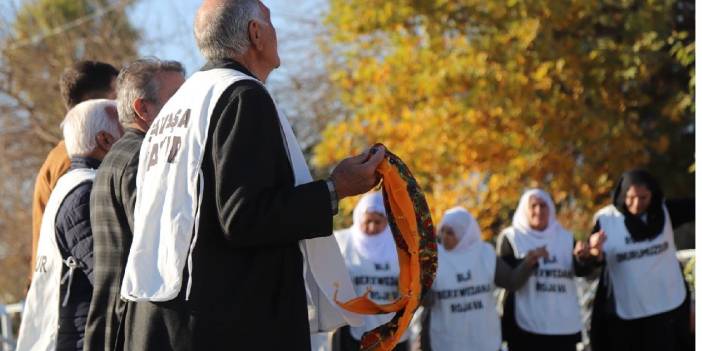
(333, 196)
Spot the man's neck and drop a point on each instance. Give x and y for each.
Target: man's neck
(142, 127)
(97, 154)
(254, 65)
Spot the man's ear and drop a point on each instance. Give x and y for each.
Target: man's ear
(139, 106)
(104, 140)
(255, 35)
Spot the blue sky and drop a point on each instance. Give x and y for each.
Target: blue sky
(167, 27)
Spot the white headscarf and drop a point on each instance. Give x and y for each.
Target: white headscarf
(520, 220)
(374, 247)
(464, 226)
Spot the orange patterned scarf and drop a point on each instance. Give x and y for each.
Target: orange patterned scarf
(412, 228)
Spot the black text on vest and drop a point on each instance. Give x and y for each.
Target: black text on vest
(41, 264)
(463, 277)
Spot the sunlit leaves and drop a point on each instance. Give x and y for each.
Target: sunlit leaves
(483, 99)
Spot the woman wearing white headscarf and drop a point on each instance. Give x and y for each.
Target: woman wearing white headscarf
(463, 309)
(544, 314)
(371, 258)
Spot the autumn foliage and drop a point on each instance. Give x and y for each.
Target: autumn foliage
(484, 98)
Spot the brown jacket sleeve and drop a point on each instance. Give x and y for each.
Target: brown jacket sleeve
(56, 164)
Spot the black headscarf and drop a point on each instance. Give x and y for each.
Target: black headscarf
(655, 218)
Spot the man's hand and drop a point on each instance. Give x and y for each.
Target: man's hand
(356, 175)
(532, 257)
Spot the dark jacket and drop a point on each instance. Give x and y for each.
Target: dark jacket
(112, 217)
(74, 238)
(247, 291)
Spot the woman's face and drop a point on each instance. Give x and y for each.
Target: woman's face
(638, 198)
(373, 223)
(537, 212)
(448, 238)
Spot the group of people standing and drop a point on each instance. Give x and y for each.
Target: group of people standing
(183, 216)
(642, 301)
(84, 200)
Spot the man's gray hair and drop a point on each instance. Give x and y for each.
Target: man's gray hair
(83, 123)
(223, 30)
(137, 80)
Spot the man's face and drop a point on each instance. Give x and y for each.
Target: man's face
(105, 139)
(168, 83)
(270, 39)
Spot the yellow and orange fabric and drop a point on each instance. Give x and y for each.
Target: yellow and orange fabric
(413, 230)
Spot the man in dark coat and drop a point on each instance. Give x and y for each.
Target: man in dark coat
(143, 87)
(90, 129)
(247, 291)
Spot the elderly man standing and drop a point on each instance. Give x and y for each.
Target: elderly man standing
(83, 81)
(59, 296)
(143, 87)
(232, 243)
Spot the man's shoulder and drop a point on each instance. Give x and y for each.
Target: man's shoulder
(243, 97)
(122, 159)
(245, 89)
(58, 152)
(75, 199)
(124, 152)
(56, 164)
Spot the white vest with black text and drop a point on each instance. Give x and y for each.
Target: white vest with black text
(645, 275)
(169, 183)
(464, 311)
(39, 328)
(548, 303)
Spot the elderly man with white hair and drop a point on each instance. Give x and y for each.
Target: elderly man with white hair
(232, 245)
(59, 297)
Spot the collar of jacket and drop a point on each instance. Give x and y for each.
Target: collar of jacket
(226, 63)
(78, 162)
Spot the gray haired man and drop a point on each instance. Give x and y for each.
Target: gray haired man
(143, 87)
(232, 245)
(59, 297)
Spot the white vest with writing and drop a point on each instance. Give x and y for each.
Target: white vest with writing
(380, 278)
(39, 328)
(169, 193)
(464, 312)
(645, 275)
(548, 302)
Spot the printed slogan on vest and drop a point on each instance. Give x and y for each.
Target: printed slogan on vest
(465, 292)
(166, 137)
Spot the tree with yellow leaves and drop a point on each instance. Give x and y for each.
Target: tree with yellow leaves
(484, 98)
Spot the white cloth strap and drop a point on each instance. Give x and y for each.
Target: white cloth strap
(39, 327)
